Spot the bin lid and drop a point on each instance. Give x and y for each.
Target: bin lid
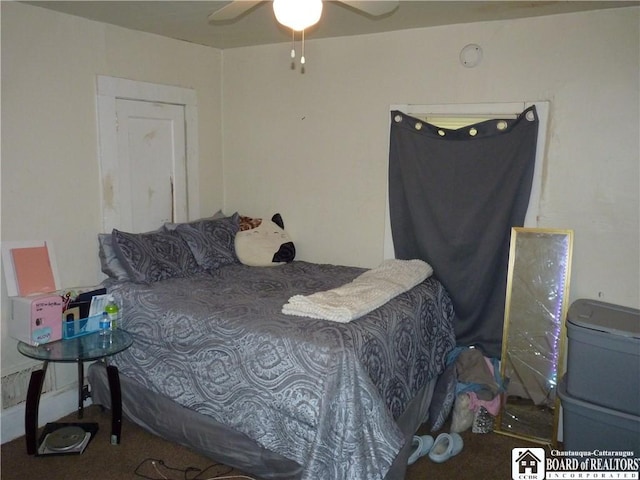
(605, 317)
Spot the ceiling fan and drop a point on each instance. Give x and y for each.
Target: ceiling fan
(304, 11)
(299, 14)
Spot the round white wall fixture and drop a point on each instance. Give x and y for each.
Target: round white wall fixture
(471, 55)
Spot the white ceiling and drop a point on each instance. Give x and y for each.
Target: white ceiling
(188, 20)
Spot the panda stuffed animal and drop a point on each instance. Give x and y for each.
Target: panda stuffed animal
(263, 243)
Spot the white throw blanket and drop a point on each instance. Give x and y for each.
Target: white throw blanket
(365, 293)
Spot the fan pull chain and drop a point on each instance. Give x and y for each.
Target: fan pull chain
(293, 49)
(293, 52)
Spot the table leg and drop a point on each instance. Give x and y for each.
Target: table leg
(31, 408)
(80, 388)
(116, 403)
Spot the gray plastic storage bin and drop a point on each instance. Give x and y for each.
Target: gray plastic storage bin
(589, 427)
(603, 361)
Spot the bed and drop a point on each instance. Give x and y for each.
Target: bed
(217, 366)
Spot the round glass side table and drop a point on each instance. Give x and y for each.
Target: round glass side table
(86, 348)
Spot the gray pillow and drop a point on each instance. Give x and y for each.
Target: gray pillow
(212, 241)
(109, 262)
(444, 396)
(150, 257)
(215, 216)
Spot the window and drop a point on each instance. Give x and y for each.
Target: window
(454, 116)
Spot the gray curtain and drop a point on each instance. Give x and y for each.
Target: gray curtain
(453, 198)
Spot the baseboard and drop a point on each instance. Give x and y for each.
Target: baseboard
(53, 406)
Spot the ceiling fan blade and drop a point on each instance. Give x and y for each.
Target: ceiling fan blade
(232, 10)
(373, 8)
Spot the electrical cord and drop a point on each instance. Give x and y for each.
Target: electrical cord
(148, 466)
(229, 477)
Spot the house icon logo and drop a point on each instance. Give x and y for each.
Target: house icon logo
(527, 464)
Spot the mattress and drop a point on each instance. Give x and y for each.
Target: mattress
(325, 395)
(161, 416)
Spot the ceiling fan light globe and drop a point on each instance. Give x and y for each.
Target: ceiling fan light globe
(297, 14)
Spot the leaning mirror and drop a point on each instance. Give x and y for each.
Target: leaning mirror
(534, 331)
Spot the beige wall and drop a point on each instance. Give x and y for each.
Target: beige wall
(50, 177)
(315, 146)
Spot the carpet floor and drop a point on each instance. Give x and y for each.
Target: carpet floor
(143, 455)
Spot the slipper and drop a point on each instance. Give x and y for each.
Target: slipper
(422, 445)
(446, 446)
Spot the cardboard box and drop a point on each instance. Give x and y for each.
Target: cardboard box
(36, 319)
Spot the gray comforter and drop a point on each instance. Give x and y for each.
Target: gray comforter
(323, 394)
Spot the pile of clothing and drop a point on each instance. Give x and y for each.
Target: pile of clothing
(478, 392)
(471, 391)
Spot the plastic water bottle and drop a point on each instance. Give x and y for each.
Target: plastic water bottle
(112, 310)
(105, 331)
(105, 324)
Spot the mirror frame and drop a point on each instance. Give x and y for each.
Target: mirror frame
(516, 233)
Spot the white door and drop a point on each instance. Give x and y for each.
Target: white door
(148, 147)
(151, 163)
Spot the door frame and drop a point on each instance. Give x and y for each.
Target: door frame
(109, 89)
